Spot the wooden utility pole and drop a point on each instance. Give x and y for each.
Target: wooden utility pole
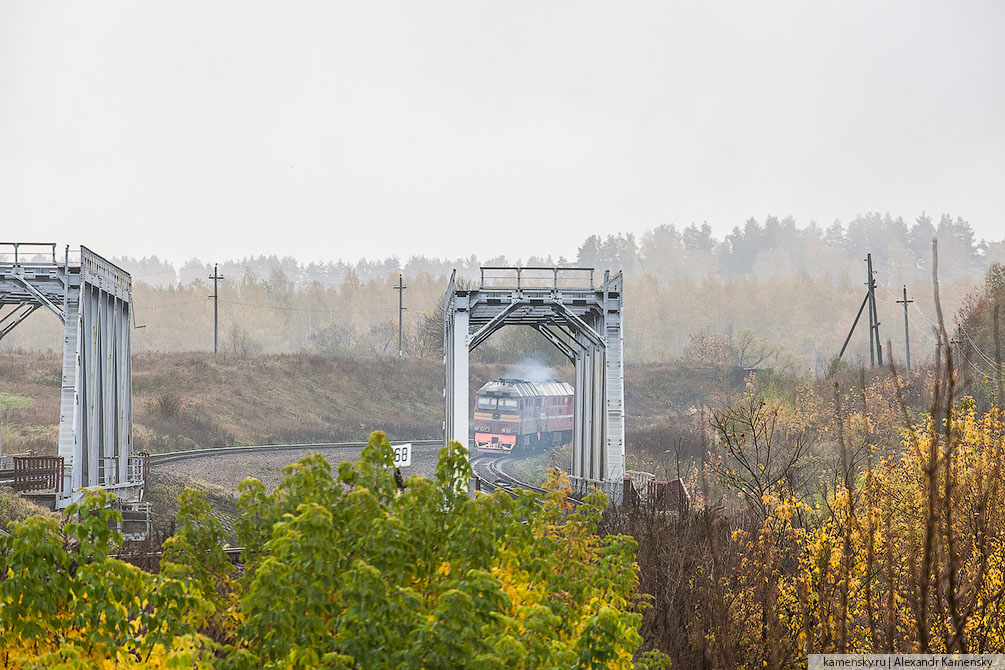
(875, 346)
(216, 277)
(955, 347)
(400, 288)
(907, 335)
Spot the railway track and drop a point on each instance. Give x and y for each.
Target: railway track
(489, 469)
(493, 477)
(171, 456)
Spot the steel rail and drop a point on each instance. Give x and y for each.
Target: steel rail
(490, 471)
(172, 456)
(487, 468)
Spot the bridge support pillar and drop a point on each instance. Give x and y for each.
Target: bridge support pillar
(456, 354)
(93, 299)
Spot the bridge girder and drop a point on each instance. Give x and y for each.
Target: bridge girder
(580, 318)
(93, 299)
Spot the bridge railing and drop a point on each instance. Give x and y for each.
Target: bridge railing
(39, 255)
(513, 278)
(668, 496)
(614, 490)
(38, 474)
(28, 253)
(640, 479)
(139, 467)
(108, 470)
(637, 488)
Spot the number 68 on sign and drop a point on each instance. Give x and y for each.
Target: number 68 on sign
(402, 455)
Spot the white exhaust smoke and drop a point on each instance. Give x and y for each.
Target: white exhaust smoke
(531, 370)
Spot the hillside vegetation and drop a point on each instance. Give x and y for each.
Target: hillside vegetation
(193, 400)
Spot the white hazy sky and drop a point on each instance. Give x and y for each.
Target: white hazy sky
(347, 129)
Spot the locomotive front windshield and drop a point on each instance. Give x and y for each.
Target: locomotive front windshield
(485, 402)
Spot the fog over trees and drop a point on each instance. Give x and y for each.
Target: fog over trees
(789, 289)
(774, 247)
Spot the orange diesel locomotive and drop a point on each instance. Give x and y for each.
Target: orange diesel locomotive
(513, 414)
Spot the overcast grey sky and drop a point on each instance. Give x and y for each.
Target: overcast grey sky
(348, 129)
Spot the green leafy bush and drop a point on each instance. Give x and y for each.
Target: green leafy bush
(342, 570)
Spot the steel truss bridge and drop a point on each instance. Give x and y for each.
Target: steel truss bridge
(92, 298)
(581, 318)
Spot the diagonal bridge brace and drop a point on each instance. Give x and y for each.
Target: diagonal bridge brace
(566, 350)
(494, 324)
(578, 324)
(17, 318)
(41, 297)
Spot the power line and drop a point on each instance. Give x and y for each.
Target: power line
(987, 359)
(928, 272)
(922, 329)
(174, 304)
(151, 274)
(304, 309)
(988, 375)
(932, 323)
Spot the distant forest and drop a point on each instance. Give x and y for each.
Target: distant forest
(769, 293)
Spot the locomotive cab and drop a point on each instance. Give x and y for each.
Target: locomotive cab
(511, 414)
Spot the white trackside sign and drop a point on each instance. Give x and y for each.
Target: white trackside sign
(402, 455)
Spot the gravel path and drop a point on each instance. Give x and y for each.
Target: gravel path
(229, 470)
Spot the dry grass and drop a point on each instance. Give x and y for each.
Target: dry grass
(29, 425)
(193, 400)
(162, 491)
(15, 508)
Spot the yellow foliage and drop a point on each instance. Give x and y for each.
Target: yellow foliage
(855, 577)
(189, 651)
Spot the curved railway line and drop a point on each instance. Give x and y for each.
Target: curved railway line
(493, 477)
(171, 456)
(489, 469)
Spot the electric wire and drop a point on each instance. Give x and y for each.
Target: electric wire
(307, 309)
(980, 352)
(169, 305)
(928, 272)
(983, 373)
(920, 329)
